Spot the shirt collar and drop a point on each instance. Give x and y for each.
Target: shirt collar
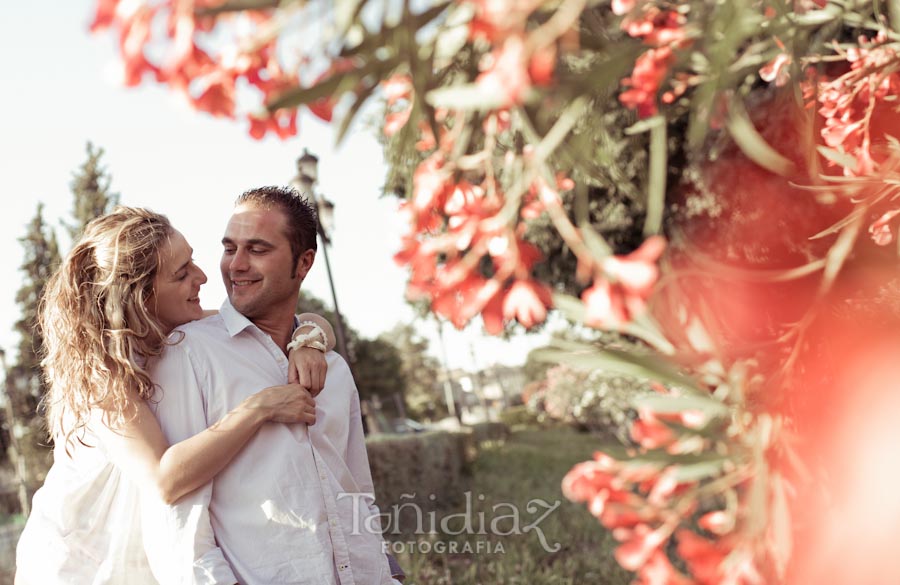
(234, 321)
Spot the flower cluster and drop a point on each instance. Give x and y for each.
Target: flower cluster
(697, 501)
(186, 60)
(848, 102)
(664, 32)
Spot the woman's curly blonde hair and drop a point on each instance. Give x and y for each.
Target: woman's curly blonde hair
(98, 331)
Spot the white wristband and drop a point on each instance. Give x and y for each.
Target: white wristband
(314, 338)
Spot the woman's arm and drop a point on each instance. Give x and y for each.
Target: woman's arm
(141, 451)
(307, 365)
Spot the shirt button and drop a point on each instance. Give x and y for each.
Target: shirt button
(342, 567)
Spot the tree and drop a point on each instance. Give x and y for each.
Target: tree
(25, 385)
(378, 371)
(91, 193)
(424, 394)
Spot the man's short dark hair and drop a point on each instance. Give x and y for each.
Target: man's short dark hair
(300, 214)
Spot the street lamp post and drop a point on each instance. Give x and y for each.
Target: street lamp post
(305, 181)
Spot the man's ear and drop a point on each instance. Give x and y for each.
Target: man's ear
(304, 263)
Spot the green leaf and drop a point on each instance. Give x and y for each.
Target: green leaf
(664, 404)
(842, 159)
(700, 470)
(330, 87)
(840, 251)
(752, 143)
(783, 542)
(345, 13)
(358, 101)
(572, 308)
(594, 241)
(236, 6)
(645, 125)
(465, 97)
(815, 18)
(656, 184)
(643, 367)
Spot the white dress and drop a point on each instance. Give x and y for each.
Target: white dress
(85, 526)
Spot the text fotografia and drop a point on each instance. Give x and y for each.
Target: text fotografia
(479, 547)
(502, 519)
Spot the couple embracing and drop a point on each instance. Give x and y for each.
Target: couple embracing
(182, 453)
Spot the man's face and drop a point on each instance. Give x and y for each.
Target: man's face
(259, 274)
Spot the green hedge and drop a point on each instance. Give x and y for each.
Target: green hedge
(424, 464)
(519, 416)
(489, 432)
(429, 470)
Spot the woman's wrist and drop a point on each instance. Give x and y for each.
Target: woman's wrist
(308, 334)
(256, 408)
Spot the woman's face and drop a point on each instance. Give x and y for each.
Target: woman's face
(177, 284)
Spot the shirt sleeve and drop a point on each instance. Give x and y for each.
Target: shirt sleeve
(358, 463)
(178, 538)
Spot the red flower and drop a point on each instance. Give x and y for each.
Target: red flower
(650, 69)
(527, 302)
(217, 99)
(542, 65)
(703, 557)
(637, 272)
(282, 123)
(776, 70)
(505, 73)
(659, 571)
(880, 230)
(429, 184)
(605, 308)
(649, 432)
(642, 544)
(105, 14)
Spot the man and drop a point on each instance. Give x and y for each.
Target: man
(296, 505)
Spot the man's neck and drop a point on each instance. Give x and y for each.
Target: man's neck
(279, 327)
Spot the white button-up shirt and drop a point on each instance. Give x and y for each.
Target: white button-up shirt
(296, 505)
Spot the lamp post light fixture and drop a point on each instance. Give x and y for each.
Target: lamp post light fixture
(305, 182)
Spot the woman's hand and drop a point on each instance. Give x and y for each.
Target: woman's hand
(307, 367)
(290, 403)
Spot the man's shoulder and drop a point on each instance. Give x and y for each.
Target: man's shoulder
(196, 337)
(211, 326)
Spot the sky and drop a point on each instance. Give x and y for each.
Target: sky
(59, 90)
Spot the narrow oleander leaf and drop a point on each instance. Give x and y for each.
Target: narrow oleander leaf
(642, 367)
(656, 184)
(752, 143)
(816, 18)
(781, 530)
(573, 309)
(840, 251)
(236, 6)
(841, 159)
(664, 404)
(465, 97)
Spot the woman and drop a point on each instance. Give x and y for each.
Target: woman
(126, 284)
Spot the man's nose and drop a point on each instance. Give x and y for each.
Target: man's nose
(239, 261)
